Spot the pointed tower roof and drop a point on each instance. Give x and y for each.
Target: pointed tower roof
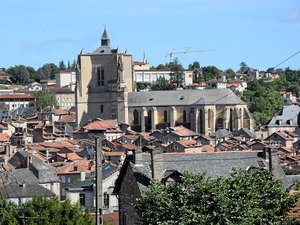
(104, 35)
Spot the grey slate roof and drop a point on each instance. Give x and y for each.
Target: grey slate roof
(184, 97)
(107, 170)
(212, 164)
(247, 132)
(45, 173)
(222, 133)
(290, 112)
(15, 190)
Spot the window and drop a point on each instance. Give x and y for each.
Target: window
(135, 117)
(101, 108)
(165, 116)
(100, 76)
(82, 199)
(184, 116)
(63, 179)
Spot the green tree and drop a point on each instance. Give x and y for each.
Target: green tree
(263, 100)
(45, 98)
(177, 74)
(47, 71)
(162, 84)
(197, 71)
(243, 198)
(142, 85)
(73, 65)
(8, 213)
(62, 65)
(244, 68)
(210, 72)
(51, 211)
(21, 74)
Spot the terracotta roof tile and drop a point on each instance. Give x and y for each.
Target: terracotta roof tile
(4, 137)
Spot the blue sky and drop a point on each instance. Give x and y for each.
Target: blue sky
(261, 33)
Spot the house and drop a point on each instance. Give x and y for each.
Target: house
(283, 138)
(287, 119)
(4, 76)
(29, 168)
(84, 191)
(21, 193)
(183, 146)
(94, 127)
(35, 86)
(64, 96)
(135, 176)
(66, 79)
(246, 134)
(13, 101)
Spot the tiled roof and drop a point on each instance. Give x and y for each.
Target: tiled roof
(189, 143)
(100, 124)
(4, 137)
(15, 96)
(183, 132)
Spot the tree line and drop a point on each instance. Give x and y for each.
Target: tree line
(24, 75)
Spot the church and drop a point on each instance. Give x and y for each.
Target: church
(106, 89)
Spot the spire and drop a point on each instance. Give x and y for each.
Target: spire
(105, 39)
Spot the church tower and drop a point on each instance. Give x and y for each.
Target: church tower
(103, 79)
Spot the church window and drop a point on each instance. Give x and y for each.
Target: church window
(135, 117)
(100, 76)
(184, 116)
(165, 116)
(101, 108)
(106, 200)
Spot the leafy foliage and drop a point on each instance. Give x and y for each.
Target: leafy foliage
(177, 74)
(263, 100)
(162, 84)
(21, 74)
(51, 211)
(45, 98)
(47, 71)
(243, 198)
(8, 213)
(142, 85)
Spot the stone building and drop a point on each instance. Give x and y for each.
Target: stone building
(103, 79)
(105, 89)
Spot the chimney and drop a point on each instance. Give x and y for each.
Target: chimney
(28, 161)
(270, 154)
(157, 165)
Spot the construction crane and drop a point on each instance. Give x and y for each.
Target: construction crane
(172, 52)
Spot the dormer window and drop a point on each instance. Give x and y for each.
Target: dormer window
(289, 122)
(181, 98)
(151, 99)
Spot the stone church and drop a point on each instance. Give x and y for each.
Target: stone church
(106, 89)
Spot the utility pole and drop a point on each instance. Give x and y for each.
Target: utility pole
(99, 200)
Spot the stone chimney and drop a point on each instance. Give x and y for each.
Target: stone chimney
(270, 154)
(28, 161)
(157, 165)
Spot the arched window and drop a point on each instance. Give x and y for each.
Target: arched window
(149, 117)
(209, 118)
(165, 116)
(100, 76)
(135, 117)
(184, 116)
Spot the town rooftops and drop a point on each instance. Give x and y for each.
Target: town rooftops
(184, 97)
